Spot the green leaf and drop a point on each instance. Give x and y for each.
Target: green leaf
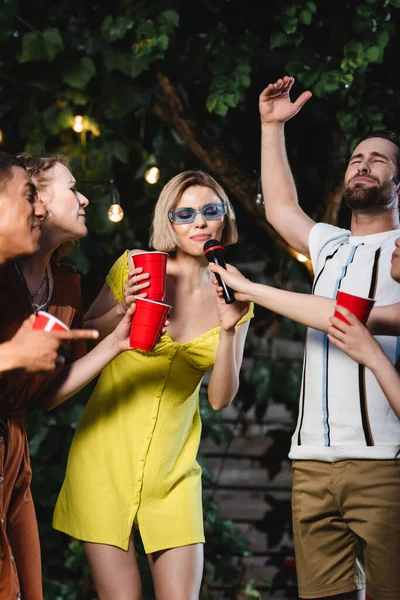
(115, 29)
(33, 48)
(211, 102)
(41, 45)
(305, 17)
(374, 54)
(346, 121)
(76, 96)
(383, 38)
(64, 118)
(82, 74)
(290, 10)
(278, 39)
(169, 18)
(312, 7)
(289, 24)
(53, 42)
(50, 119)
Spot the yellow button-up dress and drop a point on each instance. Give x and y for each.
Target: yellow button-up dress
(133, 456)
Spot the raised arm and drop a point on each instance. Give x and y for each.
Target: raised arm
(279, 191)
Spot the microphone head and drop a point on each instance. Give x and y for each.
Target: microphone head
(212, 245)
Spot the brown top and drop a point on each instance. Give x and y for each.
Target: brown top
(20, 565)
(17, 388)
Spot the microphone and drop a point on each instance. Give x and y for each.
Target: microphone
(215, 252)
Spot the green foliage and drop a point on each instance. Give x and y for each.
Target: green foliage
(43, 45)
(103, 61)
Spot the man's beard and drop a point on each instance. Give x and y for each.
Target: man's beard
(360, 197)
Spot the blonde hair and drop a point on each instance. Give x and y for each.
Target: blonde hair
(40, 169)
(163, 238)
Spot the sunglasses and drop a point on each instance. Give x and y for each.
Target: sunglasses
(210, 212)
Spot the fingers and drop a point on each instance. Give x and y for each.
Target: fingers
(335, 341)
(302, 99)
(129, 313)
(280, 86)
(30, 320)
(339, 324)
(216, 268)
(76, 334)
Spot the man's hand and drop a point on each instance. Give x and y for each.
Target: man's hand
(34, 350)
(274, 102)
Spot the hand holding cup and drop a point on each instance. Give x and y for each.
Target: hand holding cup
(137, 282)
(154, 264)
(349, 334)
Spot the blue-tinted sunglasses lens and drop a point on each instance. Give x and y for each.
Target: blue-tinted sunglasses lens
(188, 215)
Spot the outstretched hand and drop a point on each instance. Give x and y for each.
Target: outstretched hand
(353, 338)
(275, 104)
(38, 351)
(233, 279)
(123, 330)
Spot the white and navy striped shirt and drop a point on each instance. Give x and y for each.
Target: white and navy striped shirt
(343, 413)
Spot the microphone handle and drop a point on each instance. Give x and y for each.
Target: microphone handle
(227, 292)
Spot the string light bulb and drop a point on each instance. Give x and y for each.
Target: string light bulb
(301, 257)
(259, 196)
(77, 123)
(1, 136)
(115, 212)
(152, 175)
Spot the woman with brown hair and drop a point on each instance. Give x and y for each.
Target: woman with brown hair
(30, 284)
(132, 464)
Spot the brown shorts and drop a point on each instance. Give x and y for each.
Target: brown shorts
(346, 525)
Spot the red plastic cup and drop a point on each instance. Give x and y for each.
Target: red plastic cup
(155, 264)
(47, 322)
(360, 307)
(147, 323)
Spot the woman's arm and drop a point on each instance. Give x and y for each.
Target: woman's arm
(106, 312)
(76, 375)
(312, 311)
(307, 309)
(224, 380)
(385, 320)
(358, 343)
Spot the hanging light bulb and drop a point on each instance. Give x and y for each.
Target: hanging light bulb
(259, 197)
(152, 175)
(301, 257)
(115, 212)
(77, 123)
(1, 136)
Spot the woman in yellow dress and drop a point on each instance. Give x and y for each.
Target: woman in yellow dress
(132, 463)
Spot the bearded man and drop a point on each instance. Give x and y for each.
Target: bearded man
(346, 479)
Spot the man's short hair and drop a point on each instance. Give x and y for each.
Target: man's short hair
(7, 162)
(386, 134)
